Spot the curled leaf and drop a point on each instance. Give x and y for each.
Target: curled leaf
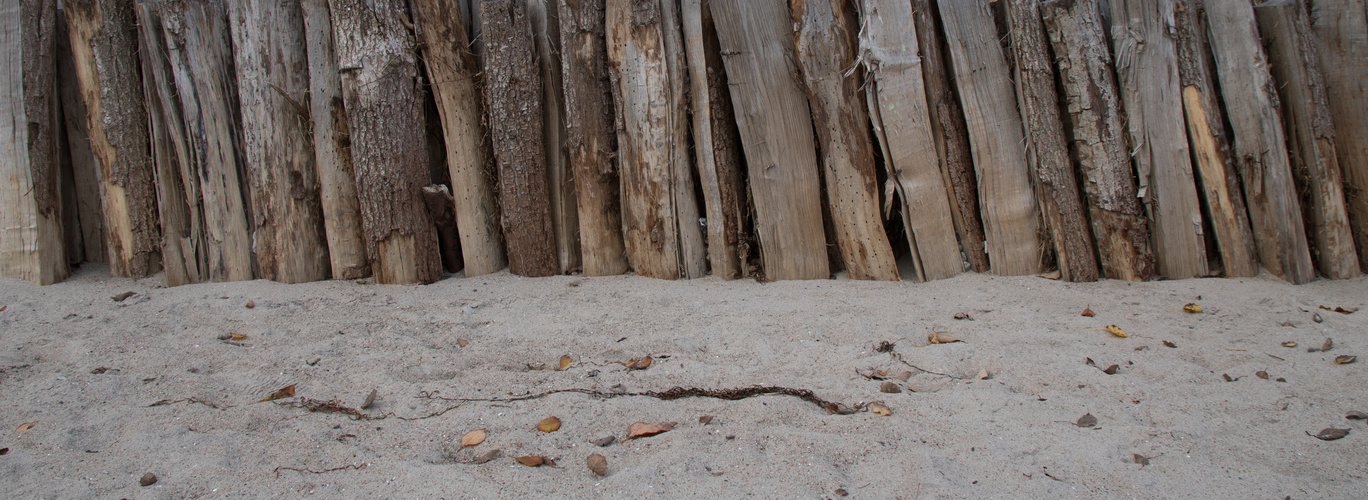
(535, 460)
(25, 426)
(370, 399)
(536, 366)
(1345, 359)
(1116, 330)
(641, 363)
(1088, 313)
(962, 315)
(549, 424)
(1087, 420)
(1192, 308)
(1346, 310)
(878, 407)
(941, 338)
(473, 438)
(284, 392)
(982, 374)
(1170, 345)
(565, 361)
(1290, 343)
(1111, 370)
(597, 464)
(1356, 415)
(1261, 374)
(643, 429)
(1330, 434)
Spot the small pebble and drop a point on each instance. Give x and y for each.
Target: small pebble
(148, 479)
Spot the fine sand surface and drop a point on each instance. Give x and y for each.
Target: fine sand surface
(88, 370)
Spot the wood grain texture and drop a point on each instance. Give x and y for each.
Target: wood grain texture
(85, 173)
(1341, 29)
(560, 178)
(775, 122)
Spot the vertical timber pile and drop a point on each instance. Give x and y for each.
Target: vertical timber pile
(1048, 151)
(897, 106)
(826, 45)
(273, 87)
(717, 144)
(85, 173)
(1341, 28)
(32, 244)
(1260, 148)
(1146, 62)
(332, 148)
(1099, 140)
(1210, 145)
(1286, 32)
(513, 93)
(590, 136)
(452, 69)
(560, 179)
(951, 135)
(659, 212)
(1011, 219)
(776, 135)
(104, 49)
(380, 90)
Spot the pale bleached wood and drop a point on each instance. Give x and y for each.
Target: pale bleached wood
(1341, 29)
(85, 174)
(104, 51)
(1011, 218)
(560, 179)
(826, 48)
(1295, 66)
(776, 135)
(902, 118)
(454, 74)
(1260, 146)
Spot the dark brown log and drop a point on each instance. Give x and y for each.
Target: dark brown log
(1341, 28)
(377, 60)
(513, 99)
(105, 53)
(1047, 150)
(85, 174)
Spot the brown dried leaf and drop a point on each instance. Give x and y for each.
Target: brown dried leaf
(284, 392)
(1290, 343)
(903, 376)
(536, 366)
(462, 342)
(1192, 308)
(1261, 374)
(1141, 459)
(473, 438)
(1345, 359)
(879, 408)
(1346, 310)
(982, 374)
(1356, 415)
(1088, 312)
(2, 308)
(370, 399)
(889, 387)
(250, 304)
(962, 315)
(643, 429)
(25, 426)
(1227, 378)
(535, 461)
(549, 424)
(941, 338)
(1288, 324)
(488, 455)
(705, 419)
(1111, 370)
(1170, 345)
(1330, 434)
(1329, 344)
(1089, 362)
(641, 363)
(597, 464)
(1087, 420)
(603, 441)
(565, 361)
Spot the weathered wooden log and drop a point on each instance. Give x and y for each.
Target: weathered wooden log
(1146, 62)
(659, 213)
(377, 61)
(1010, 216)
(951, 136)
(85, 174)
(1099, 139)
(454, 74)
(32, 242)
(105, 53)
(560, 179)
(1260, 147)
(1341, 28)
(1211, 145)
(898, 109)
(1048, 151)
(1295, 66)
(717, 144)
(826, 47)
(273, 86)
(775, 123)
(514, 99)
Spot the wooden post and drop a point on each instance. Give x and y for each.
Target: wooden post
(560, 179)
(1048, 151)
(1147, 72)
(717, 144)
(897, 105)
(513, 96)
(1341, 28)
(659, 215)
(105, 52)
(1099, 139)
(590, 137)
(1260, 148)
(32, 243)
(454, 75)
(776, 135)
(376, 57)
(951, 135)
(85, 173)
(1011, 219)
(1210, 144)
(826, 48)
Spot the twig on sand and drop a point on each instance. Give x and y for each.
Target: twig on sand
(311, 471)
(679, 393)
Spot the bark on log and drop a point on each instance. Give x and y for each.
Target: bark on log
(775, 123)
(1011, 218)
(951, 135)
(1341, 28)
(105, 52)
(898, 109)
(717, 144)
(376, 58)
(1260, 148)
(826, 47)
(513, 97)
(1048, 151)
(32, 242)
(659, 213)
(1147, 73)
(560, 178)
(1099, 139)
(85, 174)
(1311, 143)
(273, 87)
(454, 74)
(1210, 145)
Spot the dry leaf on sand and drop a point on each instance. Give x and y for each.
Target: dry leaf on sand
(643, 429)
(462, 342)
(889, 387)
(488, 455)
(1356, 415)
(641, 363)
(880, 408)
(705, 419)
(250, 304)
(1290, 343)
(1087, 420)
(1170, 345)
(549, 424)
(982, 374)
(535, 460)
(565, 361)
(370, 399)
(1191, 308)
(25, 426)
(473, 438)
(941, 338)
(284, 392)
(603, 441)
(1345, 359)
(1088, 312)
(1330, 434)
(1261, 374)
(597, 464)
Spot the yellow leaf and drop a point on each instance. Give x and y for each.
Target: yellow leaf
(1114, 330)
(25, 426)
(941, 338)
(880, 408)
(565, 361)
(236, 336)
(1191, 308)
(473, 438)
(549, 424)
(1344, 360)
(1289, 343)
